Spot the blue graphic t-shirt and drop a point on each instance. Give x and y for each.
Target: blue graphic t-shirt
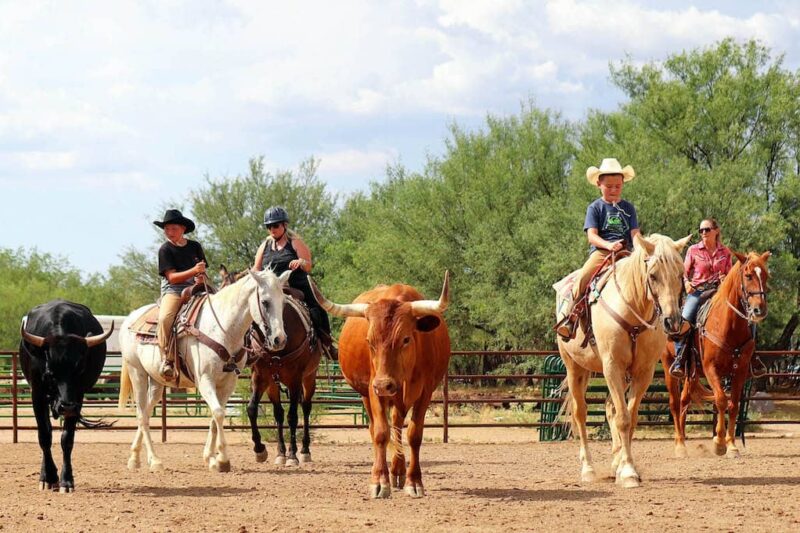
(614, 222)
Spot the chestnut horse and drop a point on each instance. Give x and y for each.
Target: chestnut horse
(725, 344)
(626, 344)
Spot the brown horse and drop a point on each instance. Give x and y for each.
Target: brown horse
(295, 367)
(725, 344)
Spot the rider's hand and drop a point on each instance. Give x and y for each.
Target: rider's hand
(616, 246)
(200, 268)
(688, 287)
(297, 263)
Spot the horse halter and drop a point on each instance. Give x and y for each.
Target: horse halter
(744, 298)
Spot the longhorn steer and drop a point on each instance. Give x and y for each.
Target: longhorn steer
(62, 353)
(394, 350)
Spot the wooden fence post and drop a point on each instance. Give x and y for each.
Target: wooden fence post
(14, 392)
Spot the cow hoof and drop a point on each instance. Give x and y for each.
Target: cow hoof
(44, 485)
(66, 489)
(261, 457)
(280, 460)
(415, 491)
(380, 491)
(222, 466)
(398, 482)
(156, 466)
(305, 458)
(733, 453)
(292, 461)
(134, 464)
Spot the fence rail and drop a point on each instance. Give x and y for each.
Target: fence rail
(104, 397)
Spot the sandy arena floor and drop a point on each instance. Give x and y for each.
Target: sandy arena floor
(470, 487)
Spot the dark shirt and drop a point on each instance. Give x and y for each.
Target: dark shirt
(278, 261)
(613, 222)
(179, 259)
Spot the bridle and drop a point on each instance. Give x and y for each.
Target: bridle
(744, 298)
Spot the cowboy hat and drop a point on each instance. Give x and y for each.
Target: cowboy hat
(609, 166)
(173, 216)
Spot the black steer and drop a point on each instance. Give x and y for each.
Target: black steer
(62, 352)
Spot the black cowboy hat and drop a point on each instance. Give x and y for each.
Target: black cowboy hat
(174, 216)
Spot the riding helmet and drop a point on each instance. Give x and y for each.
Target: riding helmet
(275, 214)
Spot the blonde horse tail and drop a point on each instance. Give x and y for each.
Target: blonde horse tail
(125, 386)
(565, 412)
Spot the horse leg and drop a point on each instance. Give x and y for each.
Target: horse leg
(616, 442)
(578, 381)
(674, 389)
(274, 394)
(67, 483)
(258, 386)
(211, 442)
(309, 386)
(49, 473)
(208, 390)
(379, 484)
(721, 403)
(397, 470)
(147, 392)
(683, 405)
(615, 377)
(641, 377)
(737, 386)
(416, 426)
(294, 399)
(224, 391)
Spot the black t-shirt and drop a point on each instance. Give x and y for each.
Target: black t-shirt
(179, 259)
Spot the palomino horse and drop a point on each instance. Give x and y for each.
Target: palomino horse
(626, 344)
(295, 366)
(224, 318)
(725, 344)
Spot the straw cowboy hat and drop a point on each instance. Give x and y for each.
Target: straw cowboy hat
(609, 166)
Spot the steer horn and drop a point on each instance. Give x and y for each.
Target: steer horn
(30, 337)
(336, 309)
(428, 307)
(97, 339)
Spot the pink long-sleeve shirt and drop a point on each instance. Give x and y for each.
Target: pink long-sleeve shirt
(702, 266)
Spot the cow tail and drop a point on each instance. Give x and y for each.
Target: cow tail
(95, 424)
(395, 436)
(125, 386)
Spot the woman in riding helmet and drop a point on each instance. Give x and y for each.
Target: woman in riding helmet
(284, 250)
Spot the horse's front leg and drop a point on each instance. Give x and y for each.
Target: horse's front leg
(258, 384)
(208, 390)
(721, 404)
(274, 393)
(737, 386)
(674, 389)
(627, 476)
(67, 483)
(294, 399)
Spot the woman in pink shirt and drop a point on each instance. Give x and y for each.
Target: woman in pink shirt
(705, 266)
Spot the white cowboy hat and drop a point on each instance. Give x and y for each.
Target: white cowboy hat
(609, 166)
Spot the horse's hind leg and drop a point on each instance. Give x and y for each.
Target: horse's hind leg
(309, 386)
(258, 385)
(274, 394)
(147, 393)
(578, 381)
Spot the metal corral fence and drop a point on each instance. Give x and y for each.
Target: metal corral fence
(542, 397)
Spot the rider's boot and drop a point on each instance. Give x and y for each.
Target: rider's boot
(328, 347)
(677, 368)
(568, 325)
(167, 368)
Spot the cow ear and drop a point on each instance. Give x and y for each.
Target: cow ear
(428, 323)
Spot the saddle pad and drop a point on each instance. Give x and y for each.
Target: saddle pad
(702, 313)
(147, 323)
(563, 290)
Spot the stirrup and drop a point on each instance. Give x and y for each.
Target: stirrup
(676, 370)
(566, 327)
(167, 370)
(757, 367)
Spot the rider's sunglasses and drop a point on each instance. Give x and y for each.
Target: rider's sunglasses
(274, 225)
(705, 230)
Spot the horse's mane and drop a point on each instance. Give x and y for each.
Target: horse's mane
(728, 285)
(632, 270)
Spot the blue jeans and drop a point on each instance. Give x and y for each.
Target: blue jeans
(689, 313)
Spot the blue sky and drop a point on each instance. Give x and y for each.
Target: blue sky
(110, 110)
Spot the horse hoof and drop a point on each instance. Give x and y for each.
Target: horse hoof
(398, 482)
(66, 490)
(134, 464)
(280, 460)
(415, 491)
(305, 458)
(261, 457)
(292, 461)
(720, 450)
(733, 453)
(156, 466)
(628, 482)
(222, 466)
(380, 491)
(680, 452)
(588, 475)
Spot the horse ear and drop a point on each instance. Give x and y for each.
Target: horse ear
(284, 278)
(766, 255)
(741, 257)
(223, 271)
(681, 244)
(641, 242)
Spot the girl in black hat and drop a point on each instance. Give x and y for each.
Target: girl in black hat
(284, 250)
(181, 262)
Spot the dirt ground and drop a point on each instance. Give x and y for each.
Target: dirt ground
(505, 486)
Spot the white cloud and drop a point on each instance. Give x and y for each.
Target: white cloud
(349, 162)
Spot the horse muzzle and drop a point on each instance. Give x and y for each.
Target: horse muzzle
(672, 325)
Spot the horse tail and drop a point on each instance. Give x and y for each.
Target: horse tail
(698, 392)
(125, 386)
(565, 412)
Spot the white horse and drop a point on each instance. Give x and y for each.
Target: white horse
(224, 317)
(626, 346)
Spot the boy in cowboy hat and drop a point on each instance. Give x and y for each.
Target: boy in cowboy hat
(180, 261)
(610, 226)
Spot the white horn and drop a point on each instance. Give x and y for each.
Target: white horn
(428, 307)
(30, 337)
(97, 339)
(336, 309)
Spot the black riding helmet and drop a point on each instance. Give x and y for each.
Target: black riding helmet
(275, 214)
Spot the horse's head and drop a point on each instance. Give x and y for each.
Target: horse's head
(266, 306)
(664, 275)
(229, 278)
(753, 276)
